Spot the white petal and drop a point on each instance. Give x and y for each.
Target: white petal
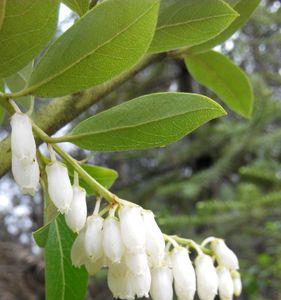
(94, 267)
(112, 241)
(141, 283)
(207, 280)
(154, 240)
(26, 175)
(132, 228)
(237, 283)
(136, 262)
(225, 284)
(59, 186)
(76, 216)
(22, 141)
(161, 283)
(93, 237)
(184, 274)
(225, 256)
(78, 255)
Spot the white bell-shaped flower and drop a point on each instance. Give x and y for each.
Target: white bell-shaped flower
(113, 246)
(26, 175)
(184, 274)
(77, 214)
(161, 283)
(136, 262)
(140, 283)
(93, 237)
(59, 186)
(132, 228)
(154, 240)
(78, 254)
(207, 280)
(117, 280)
(225, 256)
(22, 141)
(237, 283)
(226, 288)
(95, 266)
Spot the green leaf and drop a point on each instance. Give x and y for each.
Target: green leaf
(245, 8)
(149, 121)
(18, 81)
(2, 12)
(78, 6)
(95, 50)
(2, 112)
(104, 176)
(63, 281)
(222, 76)
(27, 27)
(184, 23)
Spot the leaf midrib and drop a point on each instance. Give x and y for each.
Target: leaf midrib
(33, 87)
(2, 13)
(78, 136)
(61, 260)
(193, 21)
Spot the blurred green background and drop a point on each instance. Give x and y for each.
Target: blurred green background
(222, 180)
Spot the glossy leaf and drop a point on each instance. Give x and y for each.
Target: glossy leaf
(149, 121)
(245, 8)
(27, 27)
(184, 23)
(17, 82)
(95, 49)
(78, 6)
(104, 176)
(222, 76)
(63, 281)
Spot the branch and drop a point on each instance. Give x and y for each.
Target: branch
(63, 110)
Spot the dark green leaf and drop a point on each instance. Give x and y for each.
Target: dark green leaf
(245, 8)
(95, 49)
(63, 281)
(104, 176)
(78, 6)
(222, 76)
(184, 23)
(27, 27)
(149, 121)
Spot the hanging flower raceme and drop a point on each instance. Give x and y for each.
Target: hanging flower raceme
(140, 262)
(25, 167)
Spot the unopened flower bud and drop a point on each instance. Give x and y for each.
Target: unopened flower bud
(26, 175)
(136, 262)
(184, 274)
(112, 241)
(78, 254)
(225, 256)
(207, 280)
(77, 214)
(59, 186)
(237, 284)
(161, 283)
(225, 284)
(22, 141)
(154, 240)
(132, 228)
(93, 237)
(140, 283)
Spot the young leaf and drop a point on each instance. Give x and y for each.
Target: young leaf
(104, 176)
(245, 8)
(149, 121)
(78, 6)
(27, 27)
(222, 76)
(63, 281)
(184, 23)
(95, 49)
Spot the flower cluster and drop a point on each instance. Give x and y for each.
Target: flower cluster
(141, 260)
